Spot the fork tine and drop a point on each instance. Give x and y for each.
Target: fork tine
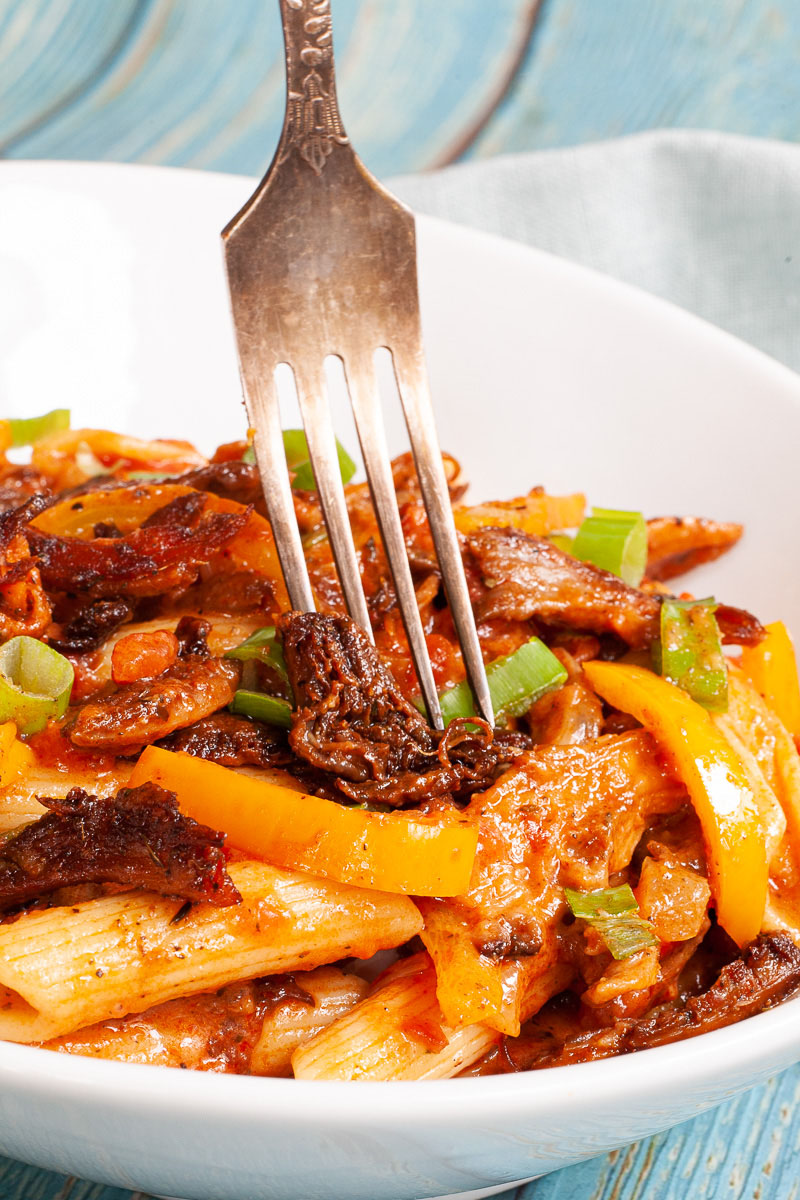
(263, 411)
(365, 399)
(412, 382)
(312, 395)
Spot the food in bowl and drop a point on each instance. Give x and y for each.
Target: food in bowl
(217, 812)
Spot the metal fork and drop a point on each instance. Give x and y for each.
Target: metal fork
(322, 261)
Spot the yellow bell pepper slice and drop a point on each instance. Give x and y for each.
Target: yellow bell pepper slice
(390, 852)
(537, 513)
(15, 756)
(717, 782)
(771, 667)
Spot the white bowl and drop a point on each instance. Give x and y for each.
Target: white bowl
(542, 373)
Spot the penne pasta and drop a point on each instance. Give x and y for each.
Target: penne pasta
(386, 1035)
(72, 966)
(18, 803)
(290, 1025)
(249, 1027)
(398, 1031)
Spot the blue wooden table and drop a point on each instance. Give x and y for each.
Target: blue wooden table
(198, 83)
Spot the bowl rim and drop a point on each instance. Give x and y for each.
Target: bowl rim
(742, 1047)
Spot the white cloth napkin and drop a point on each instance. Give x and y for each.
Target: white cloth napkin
(709, 221)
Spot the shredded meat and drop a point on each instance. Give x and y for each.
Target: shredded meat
(137, 839)
(738, 627)
(92, 624)
(21, 483)
(232, 480)
(232, 741)
(353, 721)
(530, 577)
(192, 634)
(166, 552)
(767, 973)
(677, 544)
(140, 713)
(527, 577)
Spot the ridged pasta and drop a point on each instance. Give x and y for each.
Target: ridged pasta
(71, 966)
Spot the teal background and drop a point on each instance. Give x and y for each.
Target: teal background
(198, 83)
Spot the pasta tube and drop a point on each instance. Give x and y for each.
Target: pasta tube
(69, 967)
(246, 1027)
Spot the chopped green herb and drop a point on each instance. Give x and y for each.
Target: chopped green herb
(296, 447)
(262, 708)
(689, 652)
(515, 683)
(614, 913)
(262, 646)
(35, 683)
(297, 460)
(614, 540)
(27, 431)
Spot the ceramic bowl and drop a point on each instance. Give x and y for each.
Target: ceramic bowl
(112, 303)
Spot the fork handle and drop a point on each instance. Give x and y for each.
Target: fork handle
(312, 124)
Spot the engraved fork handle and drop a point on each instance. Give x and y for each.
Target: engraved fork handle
(312, 124)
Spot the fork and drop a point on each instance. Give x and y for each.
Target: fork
(321, 261)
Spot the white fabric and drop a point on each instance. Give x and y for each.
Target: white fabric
(708, 220)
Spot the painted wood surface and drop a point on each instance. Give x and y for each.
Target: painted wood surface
(198, 83)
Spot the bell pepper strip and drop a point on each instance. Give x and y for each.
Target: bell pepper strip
(390, 852)
(15, 756)
(516, 681)
(689, 652)
(616, 541)
(27, 431)
(297, 460)
(717, 782)
(771, 666)
(537, 514)
(614, 913)
(262, 707)
(35, 683)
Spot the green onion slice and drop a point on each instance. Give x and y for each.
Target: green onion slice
(689, 652)
(616, 541)
(27, 431)
(35, 683)
(262, 708)
(262, 646)
(562, 541)
(515, 683)
(614, 913)
(296, 447)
